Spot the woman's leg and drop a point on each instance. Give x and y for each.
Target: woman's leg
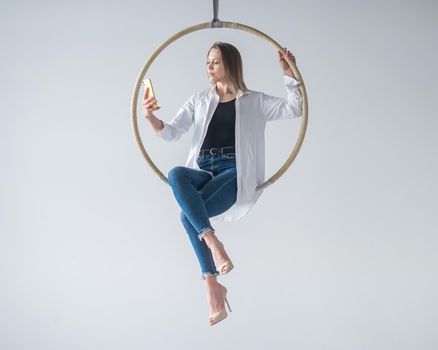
(185, 183)
(219, 198)
(203, 253)
(198, 204)
(218, 194)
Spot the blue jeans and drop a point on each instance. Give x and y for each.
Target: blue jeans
(202, 195)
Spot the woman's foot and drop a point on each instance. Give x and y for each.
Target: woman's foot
(216, 295)
(220, 256)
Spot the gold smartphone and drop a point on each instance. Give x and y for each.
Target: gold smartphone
(149, 91)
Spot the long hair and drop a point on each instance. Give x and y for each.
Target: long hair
(232, 63)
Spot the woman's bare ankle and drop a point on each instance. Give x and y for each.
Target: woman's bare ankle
(220, 256)
(211, 282)
(210, 239)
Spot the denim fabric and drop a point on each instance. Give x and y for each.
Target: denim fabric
(202, 194)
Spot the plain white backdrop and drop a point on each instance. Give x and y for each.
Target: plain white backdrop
(340, 253)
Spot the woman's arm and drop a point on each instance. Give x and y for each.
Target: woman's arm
(179, 125)
(157, 124)
(275, 108)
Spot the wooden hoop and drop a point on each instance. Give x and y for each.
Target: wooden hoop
(231, 25)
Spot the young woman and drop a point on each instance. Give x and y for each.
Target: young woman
(226, 161)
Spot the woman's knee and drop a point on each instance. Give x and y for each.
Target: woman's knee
(175, 173)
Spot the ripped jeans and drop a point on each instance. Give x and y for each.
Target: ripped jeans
(202, 194)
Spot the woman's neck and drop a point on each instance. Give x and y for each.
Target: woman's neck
(224, 92)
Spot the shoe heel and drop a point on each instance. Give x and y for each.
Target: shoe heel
(226, 301)
(225, 297)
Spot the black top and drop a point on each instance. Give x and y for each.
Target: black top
(221, 130)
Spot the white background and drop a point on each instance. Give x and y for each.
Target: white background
(340, 253)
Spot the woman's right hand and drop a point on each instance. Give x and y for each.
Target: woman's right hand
(148, 103)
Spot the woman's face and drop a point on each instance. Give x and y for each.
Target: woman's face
(215, 66)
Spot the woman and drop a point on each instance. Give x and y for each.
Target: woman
(226, 160)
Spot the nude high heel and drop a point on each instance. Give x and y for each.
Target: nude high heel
(225, 267)
(219, 316)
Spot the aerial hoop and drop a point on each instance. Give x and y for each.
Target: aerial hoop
(231, 25)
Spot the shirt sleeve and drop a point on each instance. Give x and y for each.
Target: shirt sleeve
(180, 123)
(276, 108)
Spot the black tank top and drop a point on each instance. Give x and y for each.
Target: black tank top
(221, 130)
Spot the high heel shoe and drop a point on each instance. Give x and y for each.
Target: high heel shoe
(219, 316)
(225, 267)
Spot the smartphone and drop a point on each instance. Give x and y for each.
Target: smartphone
(147, 85)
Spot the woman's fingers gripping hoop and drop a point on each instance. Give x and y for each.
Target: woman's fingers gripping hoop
(288, 55)
(283, 63)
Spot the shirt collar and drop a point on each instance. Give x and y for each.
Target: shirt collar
(239, 92)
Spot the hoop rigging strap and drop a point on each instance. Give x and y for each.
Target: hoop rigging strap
(215, 23)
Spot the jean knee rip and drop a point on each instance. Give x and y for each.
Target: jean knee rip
(204, 231)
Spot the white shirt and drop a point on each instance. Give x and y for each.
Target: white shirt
(253, 110)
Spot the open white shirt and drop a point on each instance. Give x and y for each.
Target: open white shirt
(253, 110)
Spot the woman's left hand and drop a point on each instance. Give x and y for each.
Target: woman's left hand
(284, 65)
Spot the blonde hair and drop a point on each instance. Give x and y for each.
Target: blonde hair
(232, 63)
